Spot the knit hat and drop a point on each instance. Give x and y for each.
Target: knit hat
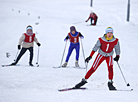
(72, 28)
(109, 29)
(29, 27)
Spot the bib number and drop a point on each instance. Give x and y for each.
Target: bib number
(30, 39)
(107, 47)
(75, 40)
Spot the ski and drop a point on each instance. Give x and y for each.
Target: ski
(58, 67)
(122, 90)
(9, 65)
(68, 89)
(70, 67)
(18, 65)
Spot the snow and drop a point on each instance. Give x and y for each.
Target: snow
(41, 84)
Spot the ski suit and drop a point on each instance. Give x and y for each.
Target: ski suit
(74, 44)
(27, 42)
(94, 17)
(105, 52)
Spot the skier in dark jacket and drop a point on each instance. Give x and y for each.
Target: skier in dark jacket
(27, 42)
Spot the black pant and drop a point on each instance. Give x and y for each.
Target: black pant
(23, 50)
(94, 21)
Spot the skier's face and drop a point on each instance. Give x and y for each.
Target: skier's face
(73, 32)
(29, 30)
(109, 34)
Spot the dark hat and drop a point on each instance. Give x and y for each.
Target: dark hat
(72, 28)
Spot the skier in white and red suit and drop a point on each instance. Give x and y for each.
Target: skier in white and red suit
(27, 42)
(105, 45)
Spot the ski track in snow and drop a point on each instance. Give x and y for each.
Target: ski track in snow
(41, 84)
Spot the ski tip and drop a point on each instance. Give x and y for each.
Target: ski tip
(131, 89)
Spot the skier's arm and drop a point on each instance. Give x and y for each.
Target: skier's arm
(81, 36)
(67, 37)
(21, 39)
(117, 51)
(88, 18)
(35, 39)
(96, 46)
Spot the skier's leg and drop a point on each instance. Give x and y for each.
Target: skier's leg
(69, 52)
(109, 61)
(68, 55)
(23, 50)
(31, 55)
(77, 54)
(77, 51)
(99, 59)
(95, 21)
(91, 20)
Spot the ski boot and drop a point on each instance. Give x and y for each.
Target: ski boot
(110, 86)
(83, 81)
(65, 64)
(31, 64)
(13, 64)
(76, 64)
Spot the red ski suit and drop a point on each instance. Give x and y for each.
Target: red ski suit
(94, 16)
(105, 53)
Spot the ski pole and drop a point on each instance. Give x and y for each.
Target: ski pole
(37, 58)
(123, 75)
(16, 55)
(83, 55)
(86, 67)
(63, 53)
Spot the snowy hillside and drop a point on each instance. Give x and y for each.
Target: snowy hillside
(41, 84)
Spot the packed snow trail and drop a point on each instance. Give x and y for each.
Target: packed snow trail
(51, 21)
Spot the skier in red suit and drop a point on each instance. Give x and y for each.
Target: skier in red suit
(105, 45)
(92, 17)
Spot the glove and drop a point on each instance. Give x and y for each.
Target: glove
(87, 59)
(116, 58)
(19, 47)
(38, 44)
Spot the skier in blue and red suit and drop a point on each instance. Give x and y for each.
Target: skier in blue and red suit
(73, 36)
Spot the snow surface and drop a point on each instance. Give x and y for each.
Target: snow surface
(41, 84)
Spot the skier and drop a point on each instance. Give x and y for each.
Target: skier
(74, 44)
(105, 45)
(27, 42)
(92, 17)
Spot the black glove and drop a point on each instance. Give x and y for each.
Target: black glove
(38, 44)
(116, 58)
(87, 59)
(19, 47)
